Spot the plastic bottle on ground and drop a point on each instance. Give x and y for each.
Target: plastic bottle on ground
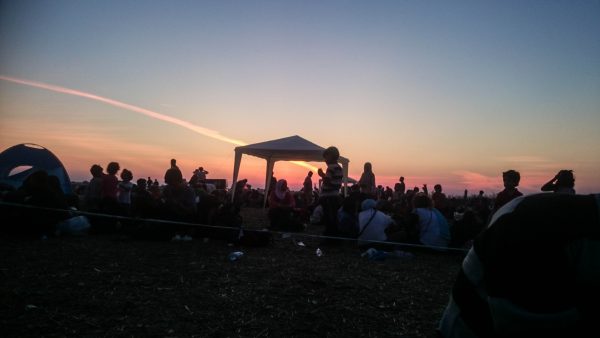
(234, 256)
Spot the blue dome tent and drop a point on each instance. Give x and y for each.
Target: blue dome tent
(22, 160)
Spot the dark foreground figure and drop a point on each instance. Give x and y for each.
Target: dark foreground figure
(534, 272)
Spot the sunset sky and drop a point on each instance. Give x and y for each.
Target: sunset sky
(449, 92)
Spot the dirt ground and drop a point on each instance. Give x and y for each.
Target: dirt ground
(110, 285)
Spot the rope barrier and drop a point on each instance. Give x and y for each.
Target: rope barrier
(75, 212)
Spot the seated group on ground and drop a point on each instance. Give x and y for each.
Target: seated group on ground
(109, 194)
(369, 214)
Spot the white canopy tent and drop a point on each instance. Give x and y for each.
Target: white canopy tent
(293, 148)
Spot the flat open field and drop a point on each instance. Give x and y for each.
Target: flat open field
(110, 285)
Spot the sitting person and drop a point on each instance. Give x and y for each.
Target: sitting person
(467, 225)
(563, 182)
(533, 272)
(37, 190)
(143, 204)
(281, 208)
(428, 225)
(374, 225)
(240, 192)
(348, 217)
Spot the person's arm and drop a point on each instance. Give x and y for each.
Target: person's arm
(550, 185)
(321, 173)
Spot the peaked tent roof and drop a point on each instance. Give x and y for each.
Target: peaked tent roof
(31, 157)
(293, 148)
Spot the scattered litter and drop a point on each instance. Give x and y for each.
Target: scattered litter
(30, 307)
(379, 255)
(319, 253)
(374, 254)
(188, 309)
(300, 244)
(234, 256)
(75, 226)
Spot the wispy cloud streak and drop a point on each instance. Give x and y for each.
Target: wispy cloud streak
(185, 124)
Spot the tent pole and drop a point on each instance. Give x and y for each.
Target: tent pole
(236, 171)
(269, 175)
(345, 178)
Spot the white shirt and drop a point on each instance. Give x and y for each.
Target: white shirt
(376, 228)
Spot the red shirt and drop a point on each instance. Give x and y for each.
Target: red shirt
(110, 186)
(287, 201)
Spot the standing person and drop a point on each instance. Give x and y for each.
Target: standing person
(401, 186)
(307, 188)
(198, 178)
(201, 174)
(367, 181)
(110, 189)
(330, 190)
(125, 187)
(563, 182)
(272, 184)
(440, 201)
(174, 166)
(93, 194)
(511, 179)
(179, 203)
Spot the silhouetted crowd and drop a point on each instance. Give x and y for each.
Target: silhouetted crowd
(531, 269)
(366, 212)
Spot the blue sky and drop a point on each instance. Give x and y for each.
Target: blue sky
(433, 90)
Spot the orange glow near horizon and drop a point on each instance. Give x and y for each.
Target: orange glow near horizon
(185, 124)
(78, 147)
